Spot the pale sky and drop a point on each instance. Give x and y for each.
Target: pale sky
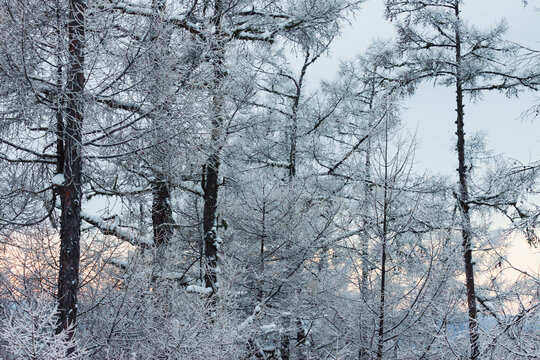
(430, 112)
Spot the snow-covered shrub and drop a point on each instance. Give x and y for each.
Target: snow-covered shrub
(28, 331)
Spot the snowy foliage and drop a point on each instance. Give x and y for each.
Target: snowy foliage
(233, 208)
(28, 330)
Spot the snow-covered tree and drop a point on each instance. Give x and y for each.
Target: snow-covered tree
(438, 44)
(28, 329)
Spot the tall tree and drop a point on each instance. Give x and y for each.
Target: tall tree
(53, 90)
(438, 44)
(71, 192)
(162, 219)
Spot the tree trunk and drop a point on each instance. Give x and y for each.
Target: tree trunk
(209, 220)
(260, 285)
(161, 214)
(380, 344)
(285, 348)
(59, 116)
(464, 202)
(363, 353)
(211, 169)
(293, 135)
(293, 138)
(161, 205)
(70, 231)
(301, 337)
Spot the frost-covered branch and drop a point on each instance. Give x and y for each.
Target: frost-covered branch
(115, 230)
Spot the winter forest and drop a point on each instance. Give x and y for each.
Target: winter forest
(180, 179)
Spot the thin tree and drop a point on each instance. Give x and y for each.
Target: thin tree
(437, 43)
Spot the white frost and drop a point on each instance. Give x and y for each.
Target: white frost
(199, 289)
(268, 328)
(113, 229)
(249, 319)
(58, 180)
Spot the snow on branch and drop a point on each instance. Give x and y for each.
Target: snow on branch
(249, 320)
(348, 235)
(21, 160)
(114, 103)
(266, 36)
(254, 26)
(199, 290)
(121, 264)
(186, 186)
(115, 230)
(165, 275)
(58, 180)
(273, 163)
(29, 151)
(178, 20)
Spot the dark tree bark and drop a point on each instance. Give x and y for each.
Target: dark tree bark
(162, 218)
(209, 217)
(211, 169)
(285, 348)
(293, 136)
(60, 157)
(464, 202)
(260, 291)
(59, 103)
(301, 337)
(380, 343)
(59, 142)
(70, 231)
